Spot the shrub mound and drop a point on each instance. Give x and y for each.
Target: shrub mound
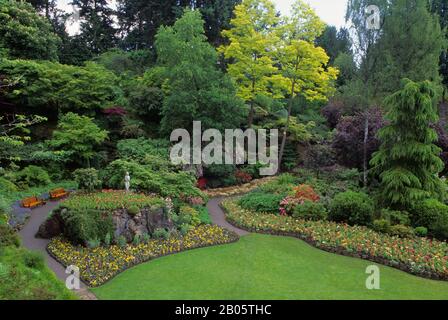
(101, 264)
(420, 256)
(433, 215)
(354, 208)
(261, 202)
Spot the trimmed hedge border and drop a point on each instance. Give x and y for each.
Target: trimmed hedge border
(428, 274)
(228, 237)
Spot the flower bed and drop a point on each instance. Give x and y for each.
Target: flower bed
(420, 256)
(110, 200)
(234, 190)
(99, 265)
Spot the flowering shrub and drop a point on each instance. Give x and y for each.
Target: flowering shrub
(301, 194)
(420, 256)
(110, 200)
(98, 265)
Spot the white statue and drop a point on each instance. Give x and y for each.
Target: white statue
(127, 181)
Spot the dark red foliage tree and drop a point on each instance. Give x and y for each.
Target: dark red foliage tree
(442, 143)
(348, 142)
(333, 112)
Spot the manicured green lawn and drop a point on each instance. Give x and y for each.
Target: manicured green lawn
(264, 267)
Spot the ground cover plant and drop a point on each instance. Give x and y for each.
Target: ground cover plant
(98, 265)
(23, 273)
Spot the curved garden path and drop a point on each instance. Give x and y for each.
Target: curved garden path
(29, 241)
(219, 218)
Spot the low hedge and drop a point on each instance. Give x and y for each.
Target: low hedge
(420, 256)
(99, 265)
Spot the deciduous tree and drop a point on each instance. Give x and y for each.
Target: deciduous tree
(304, 67)
(196, 89)
(78, 135)
(250, 52)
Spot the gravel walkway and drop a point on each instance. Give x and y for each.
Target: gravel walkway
(219, 218)
(29, 241)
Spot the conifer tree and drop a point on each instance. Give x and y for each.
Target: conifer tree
(408, 161)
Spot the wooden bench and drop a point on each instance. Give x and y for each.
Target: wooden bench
(32, 202)
(58, 193)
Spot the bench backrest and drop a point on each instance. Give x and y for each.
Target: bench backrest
(30, 200)
(57, 191)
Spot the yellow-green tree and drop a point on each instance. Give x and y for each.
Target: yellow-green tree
(250, 52)
(304, 67)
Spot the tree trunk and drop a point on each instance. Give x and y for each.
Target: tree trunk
(250, 121)
(285, 132)
(366, 138)
(252, 107)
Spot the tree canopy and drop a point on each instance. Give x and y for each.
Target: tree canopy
(197, 89)
(24, 34)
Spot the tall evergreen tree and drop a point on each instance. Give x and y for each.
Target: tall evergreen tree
(335, 42)
(24, 34)
(409, 47)
(440, 7)
(408, 161)
(140, 19)
(97, 30)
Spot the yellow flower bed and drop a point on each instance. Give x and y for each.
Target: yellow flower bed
(99, 265)
(241, 189)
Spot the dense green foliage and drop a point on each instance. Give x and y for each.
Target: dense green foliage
(23, 273)
(309, 210)
(408, 162)
(60, 87)
(82, 226)
(262, 202)
(77, 135)
(87, 179)
(417, 56)
(198, 90)
(352, 208)
(24, 276)
(433, 215)
(24, 34)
